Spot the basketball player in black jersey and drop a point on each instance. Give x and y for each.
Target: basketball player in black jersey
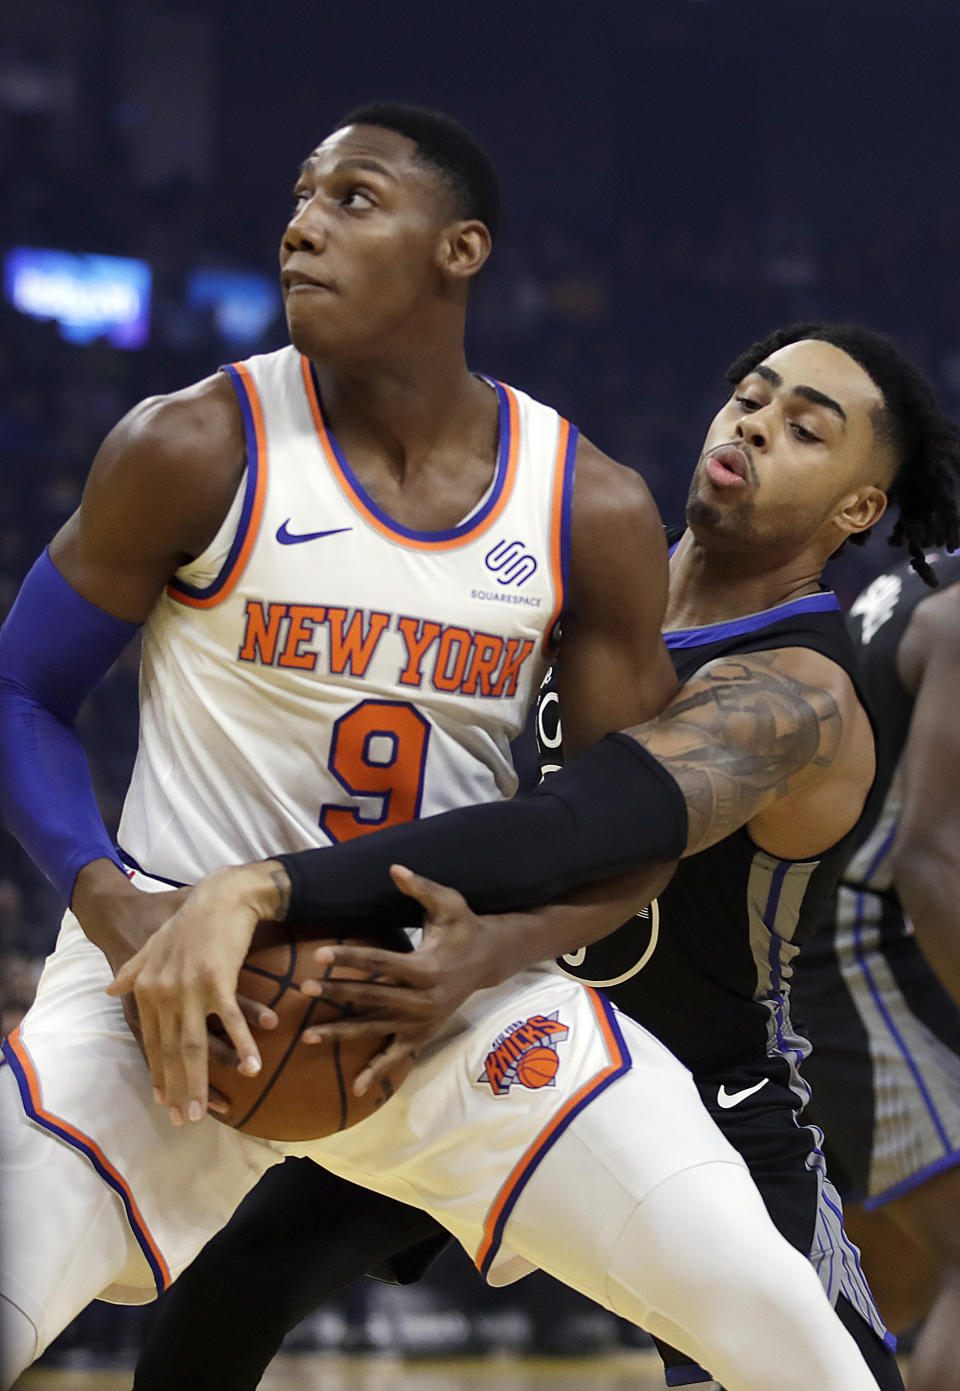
(885, 1067)
(768, 747)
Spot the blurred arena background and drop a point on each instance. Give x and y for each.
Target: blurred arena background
(679, 177)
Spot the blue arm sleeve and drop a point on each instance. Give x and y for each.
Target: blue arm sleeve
(55, 646)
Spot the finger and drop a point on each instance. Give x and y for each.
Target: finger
(231, 1017)
(378, 1069)
(126, 978)
(217, 1103)
(168, 1052)
(222, 1052)
(440, 901)
(191, 1067)
(132, 1016)
(374, 961)
(340, 1029)
(369, 996)
(257, 1014)
(151, 1046)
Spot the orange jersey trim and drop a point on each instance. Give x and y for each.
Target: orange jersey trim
(403, 536)
(561, 503)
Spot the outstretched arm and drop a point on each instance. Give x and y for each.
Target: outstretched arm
(738, 740)
(926, 863)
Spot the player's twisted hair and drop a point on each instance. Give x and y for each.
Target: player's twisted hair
(925, 441)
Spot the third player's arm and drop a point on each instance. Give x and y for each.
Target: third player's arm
(927, 850)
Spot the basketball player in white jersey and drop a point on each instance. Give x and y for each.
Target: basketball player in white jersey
(279, 706)
(821, 422)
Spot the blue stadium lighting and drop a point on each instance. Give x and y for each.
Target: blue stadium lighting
(88, 296)
(244, 303)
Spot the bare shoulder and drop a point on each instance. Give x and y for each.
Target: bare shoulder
(805, 668)
(159, 489)
(618, 545)
(177, 438)
(785, 689)
(604, 490)
(752, 740)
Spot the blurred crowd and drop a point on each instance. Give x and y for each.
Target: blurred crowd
(625, 323)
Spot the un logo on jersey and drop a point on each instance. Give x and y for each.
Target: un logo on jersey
(618, 957)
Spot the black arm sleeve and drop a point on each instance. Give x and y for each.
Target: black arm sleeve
(607, 813)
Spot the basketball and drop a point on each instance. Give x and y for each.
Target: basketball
(537, 1067)
(303, 1091)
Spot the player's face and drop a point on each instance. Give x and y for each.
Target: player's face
(793, 453)
(358, 259)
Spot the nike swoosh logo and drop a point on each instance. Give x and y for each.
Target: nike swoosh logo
(727, 1099)
(290, 538)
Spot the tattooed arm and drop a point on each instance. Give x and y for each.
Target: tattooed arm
(776, 741)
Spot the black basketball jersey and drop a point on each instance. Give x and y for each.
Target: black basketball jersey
(707, 966)
(878, 619)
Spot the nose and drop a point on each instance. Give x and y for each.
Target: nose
(754, 429)
(306, 230)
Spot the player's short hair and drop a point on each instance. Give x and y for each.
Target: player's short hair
(924, 440)
(448, 147)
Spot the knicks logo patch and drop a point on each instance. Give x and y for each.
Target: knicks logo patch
(525, 1053)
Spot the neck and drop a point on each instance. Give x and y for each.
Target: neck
(709, 587)
(407, 406)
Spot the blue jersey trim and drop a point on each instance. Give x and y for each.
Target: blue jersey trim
(250, 492)
(131, 863)
(453, 533)
(826, 602)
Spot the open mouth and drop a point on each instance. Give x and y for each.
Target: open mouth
(727, 467)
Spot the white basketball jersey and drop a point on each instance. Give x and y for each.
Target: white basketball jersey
(320, 670)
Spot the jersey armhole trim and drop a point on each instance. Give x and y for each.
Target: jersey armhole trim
(248, 529)
(560, 517)
(21, 1064)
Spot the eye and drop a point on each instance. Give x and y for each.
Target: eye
(358, 198)
(748, 403)
(299, 197)
(804, 434)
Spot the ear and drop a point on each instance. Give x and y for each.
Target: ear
(463, 249)
(861, 510)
